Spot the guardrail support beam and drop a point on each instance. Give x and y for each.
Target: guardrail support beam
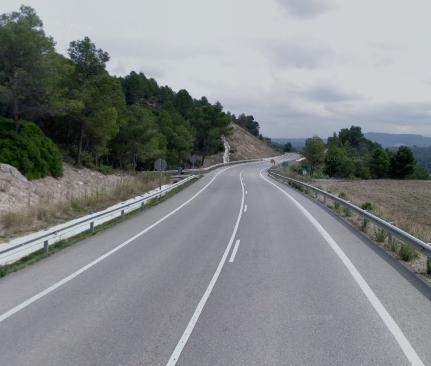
(45, 246)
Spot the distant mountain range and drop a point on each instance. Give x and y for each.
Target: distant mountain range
(384, 139)
(391, 139)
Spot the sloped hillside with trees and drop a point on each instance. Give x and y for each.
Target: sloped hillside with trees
(97, 120)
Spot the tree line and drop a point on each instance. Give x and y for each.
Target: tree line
(97, 119)
(349, 154)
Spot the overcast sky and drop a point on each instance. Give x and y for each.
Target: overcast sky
(300, 67)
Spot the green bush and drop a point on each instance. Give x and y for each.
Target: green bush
(367, 206)
(29, 150)
(380, 235)
(407, 253)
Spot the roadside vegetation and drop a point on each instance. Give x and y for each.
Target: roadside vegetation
(96, 120)
(348, 154)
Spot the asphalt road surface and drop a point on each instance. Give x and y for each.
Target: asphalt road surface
(233, 270)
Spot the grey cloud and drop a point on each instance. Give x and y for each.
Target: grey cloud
(329, 94)
(305, 8)
(299, 55)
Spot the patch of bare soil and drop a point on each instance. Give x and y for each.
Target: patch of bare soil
(244, 145)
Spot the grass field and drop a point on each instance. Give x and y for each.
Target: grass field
(406, 203)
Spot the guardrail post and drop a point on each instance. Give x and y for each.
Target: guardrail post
(142, 204)
(122, 213)
(45, 246)
(428, 265)
(92, 226)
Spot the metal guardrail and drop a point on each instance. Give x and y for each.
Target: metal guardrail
(386, 226)
(54, 235)
(90, 220)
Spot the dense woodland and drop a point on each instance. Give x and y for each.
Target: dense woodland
(349, 154)
(95, 119)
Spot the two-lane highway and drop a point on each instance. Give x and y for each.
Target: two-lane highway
(231, 271)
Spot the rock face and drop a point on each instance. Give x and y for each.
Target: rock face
(6, 169)
(18, 193)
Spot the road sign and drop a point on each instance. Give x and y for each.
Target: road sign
(160, 165)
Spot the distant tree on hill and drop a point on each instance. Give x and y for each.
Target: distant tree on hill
(287, 147)
(248, 123)
(314, 152)
(402, 163)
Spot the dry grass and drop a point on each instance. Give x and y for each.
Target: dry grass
(48, 211)
(405, 203)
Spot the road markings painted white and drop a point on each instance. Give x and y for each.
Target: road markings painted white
(246, 192)
(235, 249)
(245, 208)
(75, 274)
(190, 326)
(390, 323)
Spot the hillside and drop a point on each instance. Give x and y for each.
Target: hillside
(243, 145)
(394, 140)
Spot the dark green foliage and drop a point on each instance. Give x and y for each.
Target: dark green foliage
(379, 163)
(288, 147)
(29, 150)
(338, 163)
(350, 155)
(97, 119)
(423, 156)
(248, 123)
(402, 163)
(420, 173)
(368, 206)
(314, 152)
(24, 65)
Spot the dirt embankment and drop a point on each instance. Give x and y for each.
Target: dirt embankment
(244, 145)
(17, 193)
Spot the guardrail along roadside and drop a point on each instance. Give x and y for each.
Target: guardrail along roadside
(395, 236)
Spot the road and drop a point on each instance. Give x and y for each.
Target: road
(233, 270)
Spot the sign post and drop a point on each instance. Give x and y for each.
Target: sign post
(160, 165)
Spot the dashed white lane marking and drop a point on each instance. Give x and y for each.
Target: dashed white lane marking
(189, 329)
(235, 249)
(245, 208)
(390, 323)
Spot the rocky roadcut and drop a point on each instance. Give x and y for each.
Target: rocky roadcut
(30, 205)
(17, 192)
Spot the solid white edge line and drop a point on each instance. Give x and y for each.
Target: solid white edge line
(75, 274)
(390, 323)
(235, 249)
(190, 326)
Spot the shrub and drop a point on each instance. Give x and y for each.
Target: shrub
(380, 235)
(29, 150)
(367, 206)
(407, 253)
